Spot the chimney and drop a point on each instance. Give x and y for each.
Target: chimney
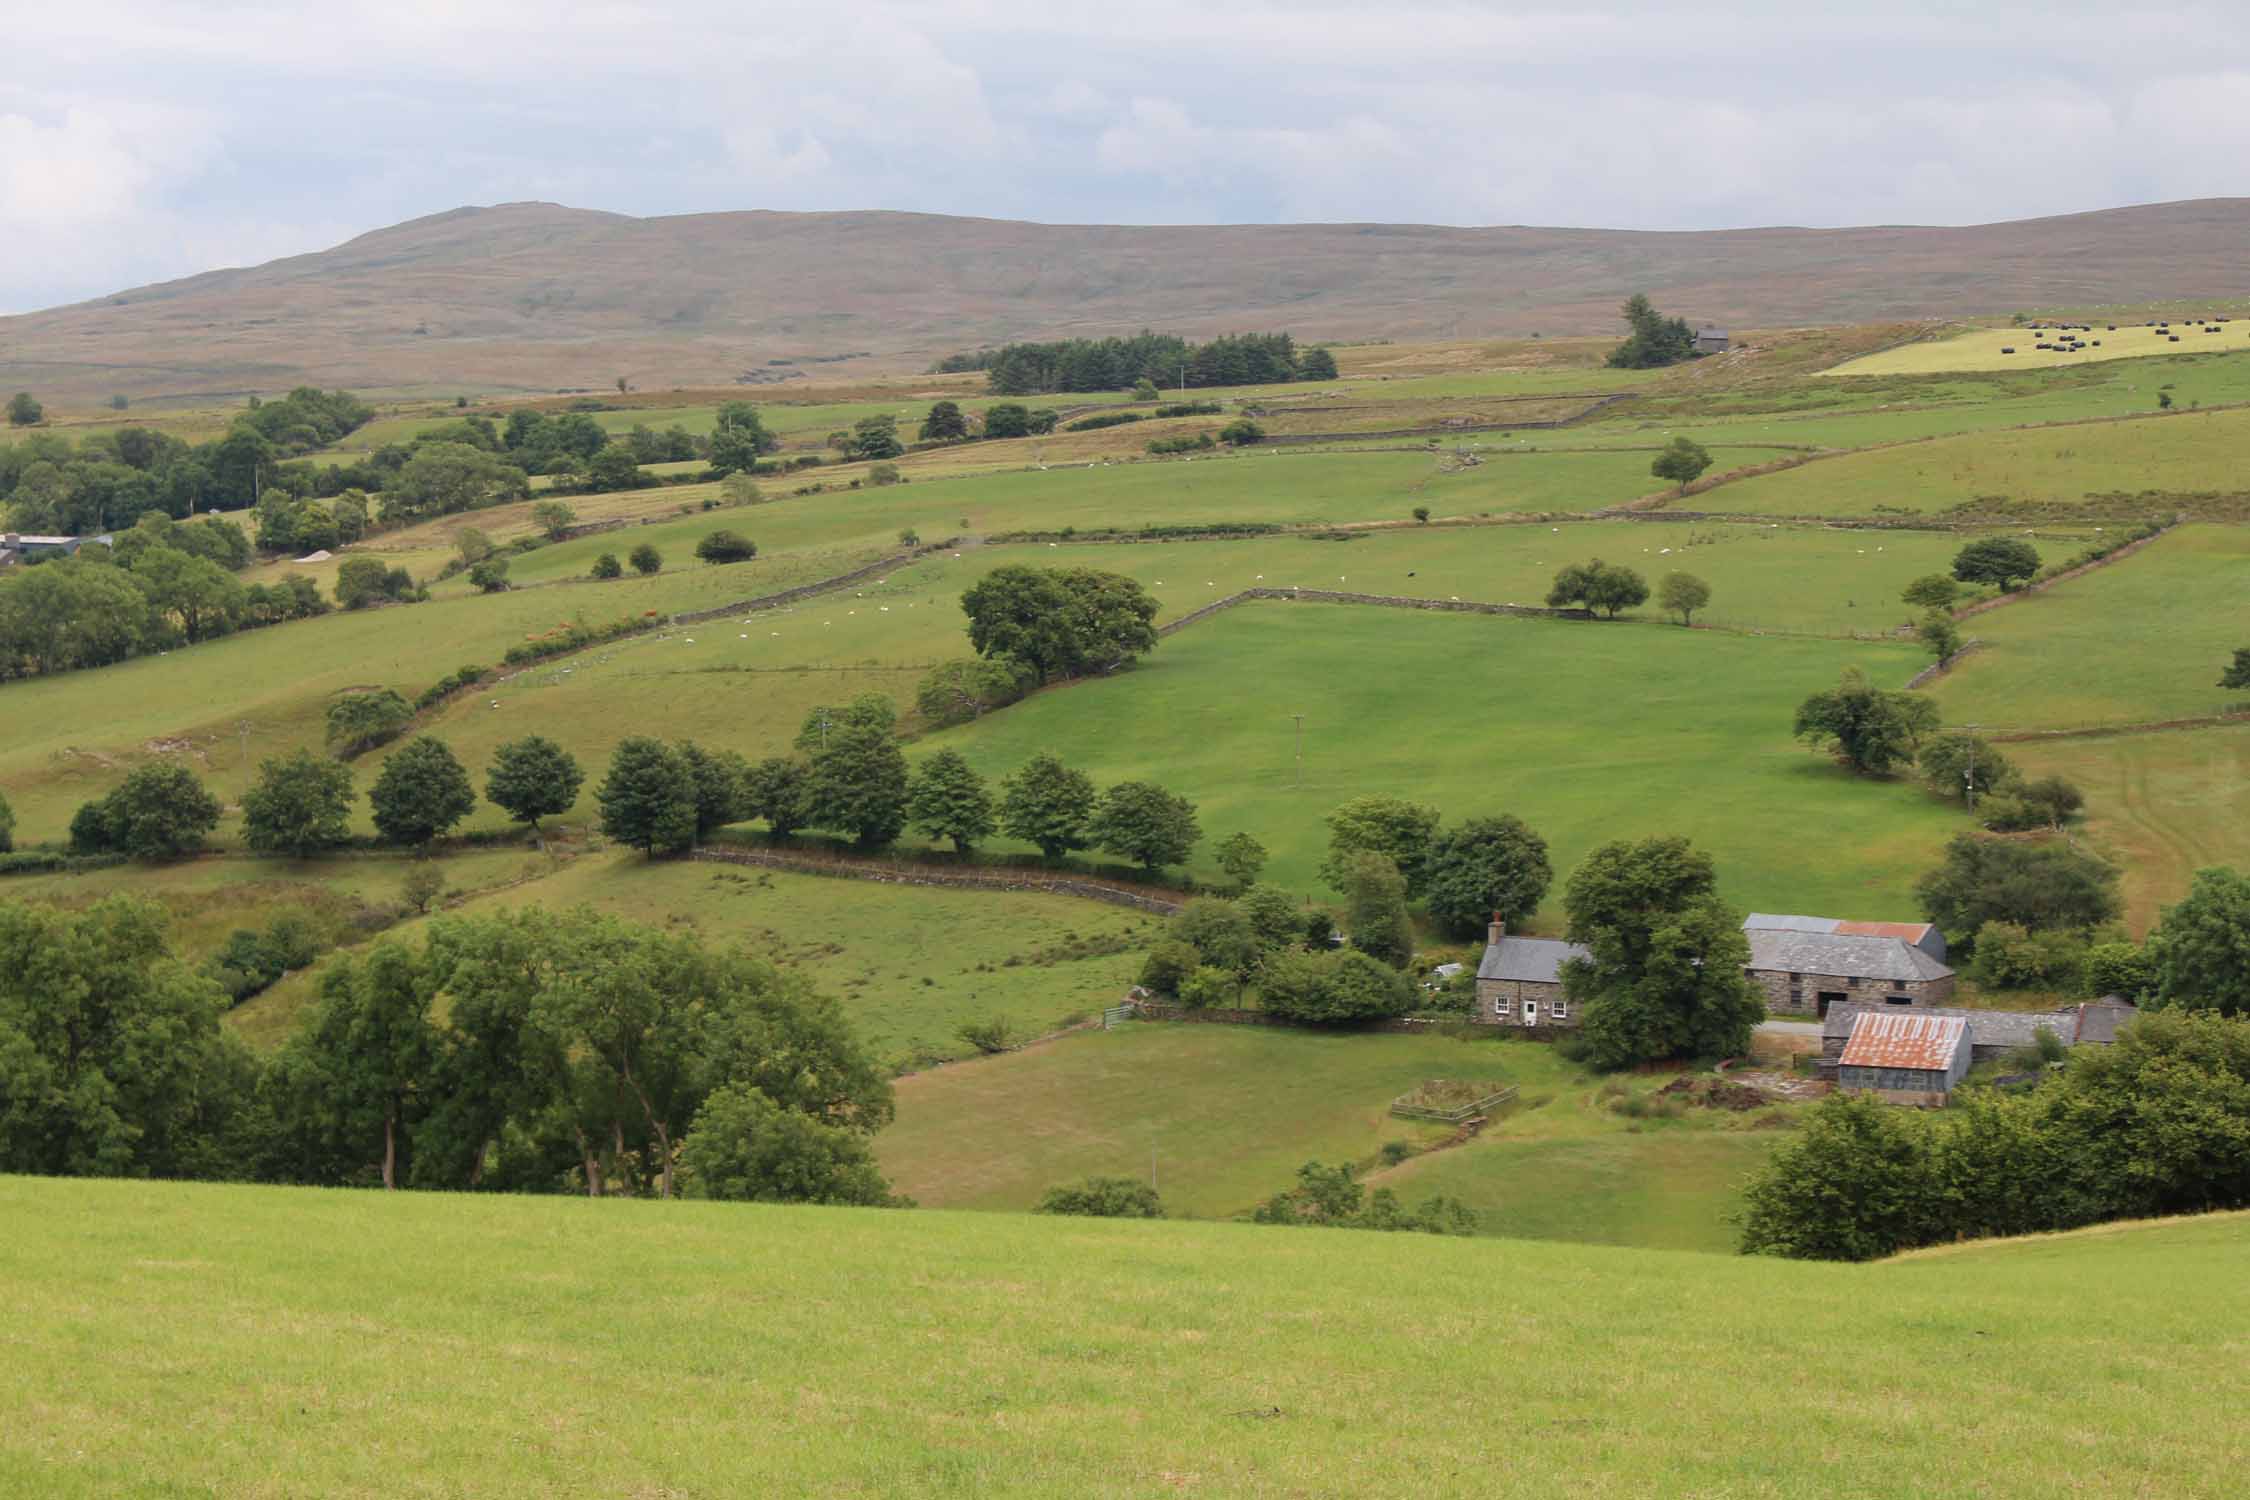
(1497, 931)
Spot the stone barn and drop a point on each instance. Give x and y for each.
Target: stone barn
(1809, 965)
(1993, 1034)
(1519, 980)
(1904, 1056)
(1710, 341)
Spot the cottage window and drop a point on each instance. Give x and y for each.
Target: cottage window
(1559, 1008)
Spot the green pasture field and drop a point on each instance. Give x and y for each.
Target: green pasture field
(2184, 453)
(2144, 639)
(2161, 805)
(1562, 1165)
(1226, 1114)
(232, 702)
(1981, 349)
(911, 964)
(1589, 731)
(174, 1338)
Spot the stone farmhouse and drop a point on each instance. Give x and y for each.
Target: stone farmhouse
(1904, 1056)
(1808, 965)
(1519, 980)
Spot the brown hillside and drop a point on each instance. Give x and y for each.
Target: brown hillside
(537, 296)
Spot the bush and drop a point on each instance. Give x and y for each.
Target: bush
(2118, 969)
(721, 547)
(437, 692)
(359, 722)
(607, 566)
(1200, 442)
(646, 560)
(1241, 432)
(1103, 419)
(1334, 988)
(2010, 958)
(1207, 987)
(578, 636)
(1188, 409)
(491, 575)
(1168, 965)
(996, 1034)
(1104, 1198)
(884, 474)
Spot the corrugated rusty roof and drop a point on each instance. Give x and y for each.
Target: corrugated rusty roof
(1904, 1039)
(1912, 932)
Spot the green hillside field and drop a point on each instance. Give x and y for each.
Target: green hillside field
(171, 1339)
(1588, 730)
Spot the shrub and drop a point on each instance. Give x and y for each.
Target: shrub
(1104, 1198)
(718, 548)
(1241, 432)
(1103, 419)
(607, 566)
(436, 693)
(1207, 987)
(2010, 958)
(360, 721)
(646, 560)
(1196, 444)
(491, 575)
(578, 635)
(994, 1035)
(1168, 965)
(884, 474)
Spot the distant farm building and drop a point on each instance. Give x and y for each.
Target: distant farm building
(16, 546)
(1809, 965)
(1710, 341)
(1993, 1034)
(1906, 1057)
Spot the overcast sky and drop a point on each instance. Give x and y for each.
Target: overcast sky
(146, 139)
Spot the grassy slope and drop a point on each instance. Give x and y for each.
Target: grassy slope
(2162, 805)
(1589, 731)
(2186, 452)
(2144, 639)
(1225, 1114)
(169, 1339)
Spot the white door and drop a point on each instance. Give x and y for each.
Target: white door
(1531, 1013)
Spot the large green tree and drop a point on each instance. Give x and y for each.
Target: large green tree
(743, 1147)
(1607, 587)
(1334, 988)
(648, 797)
(2003, 560)
(300, 805)
(1655, 340)
(858, 785)
(1047, 803)
(1142, 822)
(113, 1061)
(1663, 975)
(159, 811)
(1060, 622)
(944, 424)
(947, 799)
(776, 789)
(1682, 461)
(2038, 887)
(739, 439)
(1482, 868)
(421, 792)
(2237, 674)
(1375, 919)
(1400, 830)
(2201, 947)
(532, 778)
(719, 777)
(1869, 729)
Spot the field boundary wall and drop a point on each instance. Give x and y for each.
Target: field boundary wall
(903, 872)
(1385, 601)
(1985, 606)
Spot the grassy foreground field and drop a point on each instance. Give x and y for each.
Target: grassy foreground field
(170, 1339)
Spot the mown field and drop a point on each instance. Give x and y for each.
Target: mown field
(1589, 731)
(2008, 348)
(169, 1339)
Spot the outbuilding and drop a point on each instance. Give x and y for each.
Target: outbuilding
(1905, 1057)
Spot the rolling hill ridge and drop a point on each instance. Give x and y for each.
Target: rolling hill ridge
(539, 296)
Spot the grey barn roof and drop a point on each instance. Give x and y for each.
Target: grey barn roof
(1987, 1028)
(1783, 950)
(1527, 960)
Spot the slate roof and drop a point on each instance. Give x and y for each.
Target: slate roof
(1794, 951)
(1528, 960)
(2098, 1020)
(1904, 1039)
(1987, 1028)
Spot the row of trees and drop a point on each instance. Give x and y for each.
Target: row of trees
(527, 1052)
(1163, 360)
(110, 479)
(164, 584)
(2159, 1123)
(849, 776)
(1611, 588)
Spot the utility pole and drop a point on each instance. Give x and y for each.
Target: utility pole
(1969, 772)
(1300, 718)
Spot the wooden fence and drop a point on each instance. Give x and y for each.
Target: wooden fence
(1402, 1109)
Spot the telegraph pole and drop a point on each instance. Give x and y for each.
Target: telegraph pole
(1300, 718)
(1969, 772)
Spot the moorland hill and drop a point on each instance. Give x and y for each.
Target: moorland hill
(525, 296)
